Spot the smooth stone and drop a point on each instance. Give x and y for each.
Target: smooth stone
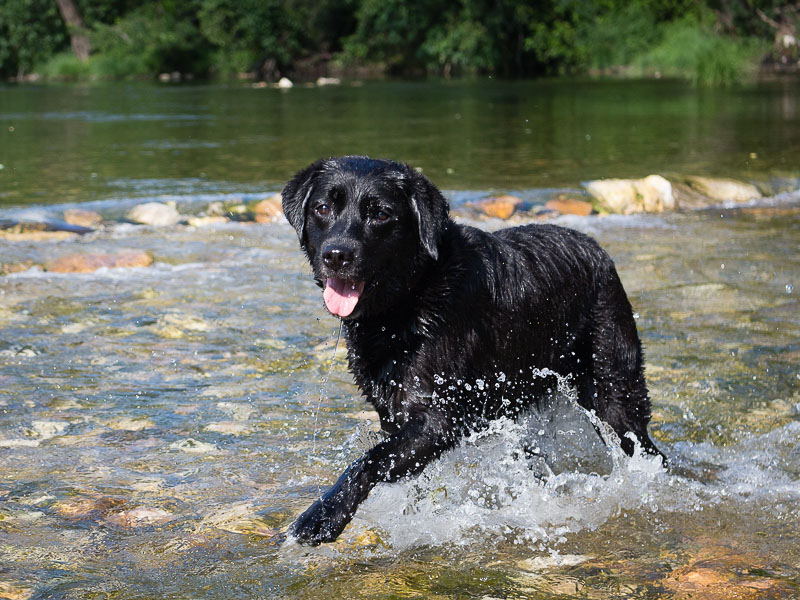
(570, 206)
(154, 213)
(83, 218)
(285, 83)
(323, 81)
(206, 221)
(724, 190)
(88, 263)
(499, 207)
(228, 428)
(630, 196)
(129, 424)
(268, 209)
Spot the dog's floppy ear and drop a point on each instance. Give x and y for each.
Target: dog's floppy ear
(295, 197)
(431, 211)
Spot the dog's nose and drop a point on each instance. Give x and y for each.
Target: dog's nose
(337, 257)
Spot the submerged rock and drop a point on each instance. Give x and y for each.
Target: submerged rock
(719, 574)
(154, 213)
(175, 325)
(12, 591)
(268, 209)
(87, 263)
(85, 508)
(8, 268)
(192, 446)
(140, 517)
(83, 218)
(629, 196)
(206, 221)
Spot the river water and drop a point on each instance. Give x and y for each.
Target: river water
(160, 427)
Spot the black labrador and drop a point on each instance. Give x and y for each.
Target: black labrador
(449, 327)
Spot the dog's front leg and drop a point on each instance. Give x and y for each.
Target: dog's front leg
(421, 439)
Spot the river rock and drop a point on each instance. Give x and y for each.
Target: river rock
(629, 196)
(498, 207)
(8, 268)
(720, 574)
(13, 591)
(205, 221)
(724, 190)
(285, 83)
(569, 206)
(154, 213)
(268, 210)
(82, 218)
(84, 508)
(87, 263)
(140, 517)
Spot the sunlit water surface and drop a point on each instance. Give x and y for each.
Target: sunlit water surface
(161, 427)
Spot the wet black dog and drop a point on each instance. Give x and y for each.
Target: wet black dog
(449, 327)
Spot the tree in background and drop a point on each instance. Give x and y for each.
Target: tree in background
(79, 40)
(708, 41)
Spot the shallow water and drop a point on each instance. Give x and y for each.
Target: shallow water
(160, 427)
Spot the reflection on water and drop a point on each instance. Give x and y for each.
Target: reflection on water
(161, 421)
(60, 144)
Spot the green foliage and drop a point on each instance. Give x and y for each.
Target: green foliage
(31, 31)
(151, 39)
(692, 50)
(708, 41)
(248, 34)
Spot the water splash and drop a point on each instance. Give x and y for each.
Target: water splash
(555, 470)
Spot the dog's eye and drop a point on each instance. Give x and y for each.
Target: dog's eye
(382, 215)
(322, 209)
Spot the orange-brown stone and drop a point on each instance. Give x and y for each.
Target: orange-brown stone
(87, 263)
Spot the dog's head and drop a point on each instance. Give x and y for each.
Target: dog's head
(366, 226)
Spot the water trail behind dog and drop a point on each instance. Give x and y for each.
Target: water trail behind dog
(319, 402)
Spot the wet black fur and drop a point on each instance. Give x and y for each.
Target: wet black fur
(453, 321)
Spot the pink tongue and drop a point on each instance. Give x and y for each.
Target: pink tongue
(341, 296)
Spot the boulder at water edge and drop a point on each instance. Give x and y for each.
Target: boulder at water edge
(628, 196)
(153, 213)
(724, 190)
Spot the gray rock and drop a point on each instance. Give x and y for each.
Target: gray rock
(153, 213)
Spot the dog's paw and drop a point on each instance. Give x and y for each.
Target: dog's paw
(320, 523)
